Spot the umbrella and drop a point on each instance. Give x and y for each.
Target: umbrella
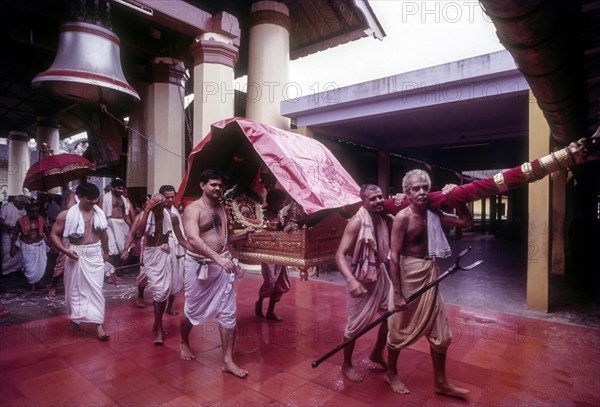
(56, 171)
(304, 167)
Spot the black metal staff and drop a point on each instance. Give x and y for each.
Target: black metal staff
(410, 299)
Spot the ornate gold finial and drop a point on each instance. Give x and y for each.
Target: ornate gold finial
(499, 180)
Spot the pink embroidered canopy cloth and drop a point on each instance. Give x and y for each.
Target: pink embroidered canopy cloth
(304, 167)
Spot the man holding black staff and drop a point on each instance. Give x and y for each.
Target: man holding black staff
(417, 241)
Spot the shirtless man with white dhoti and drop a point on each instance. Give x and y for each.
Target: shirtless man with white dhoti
(84, 225)
(156, 224)
(209, 270)
(28, 241)
(118, 210)
(177, 250)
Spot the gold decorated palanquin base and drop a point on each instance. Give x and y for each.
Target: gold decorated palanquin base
(304, 248)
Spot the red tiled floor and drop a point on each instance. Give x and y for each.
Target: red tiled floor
(504, 360)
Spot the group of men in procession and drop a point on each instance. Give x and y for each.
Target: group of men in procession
(384, 255)
(190, 252)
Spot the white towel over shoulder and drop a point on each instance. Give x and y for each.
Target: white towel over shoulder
(167, 225)
(107, 204)
(74, 225)
(437, 243)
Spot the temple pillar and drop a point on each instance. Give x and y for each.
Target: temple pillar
(46, 132)
(18, 161)
(215, 55)
(268, 63)
(166, 123)
(137, 146)
(383, 173)
(539, 215)
(305, 131)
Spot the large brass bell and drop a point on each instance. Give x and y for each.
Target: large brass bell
(87, 68)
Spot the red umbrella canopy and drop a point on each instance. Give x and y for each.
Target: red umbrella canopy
(304, 167)
(56, 171)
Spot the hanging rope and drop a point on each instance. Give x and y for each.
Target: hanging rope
(128, 127)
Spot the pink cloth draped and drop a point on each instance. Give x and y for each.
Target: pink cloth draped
(303, 166)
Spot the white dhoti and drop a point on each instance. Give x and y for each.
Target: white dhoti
(212, 297)
(117, 234)
(362, 310)
(178, 265)
(157, 267)
(9, 264)
(34, 257)
(83, 280)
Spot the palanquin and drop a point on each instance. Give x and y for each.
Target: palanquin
(303, 167)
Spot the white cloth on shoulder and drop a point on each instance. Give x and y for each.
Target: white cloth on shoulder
(437, 244)
(167, 224)
(75, 226)
(107, 204)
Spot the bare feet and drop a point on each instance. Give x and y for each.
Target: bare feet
(101, 335)
(396, 384)
(52, 292)
(447, 389)
(158, 339)
(235, 370)
(273, 317)
(258, 309)
(164, 331)
(379, 360)
(186, 352)
(172, 312)
(351, 374)
(112, 279)
(74, 326)
(141, 303)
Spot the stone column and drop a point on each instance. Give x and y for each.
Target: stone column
(137, 145)
(18, 161)
(215, 55)
(539, 215)
(166, 123)
(46, 131)
(268, 63)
